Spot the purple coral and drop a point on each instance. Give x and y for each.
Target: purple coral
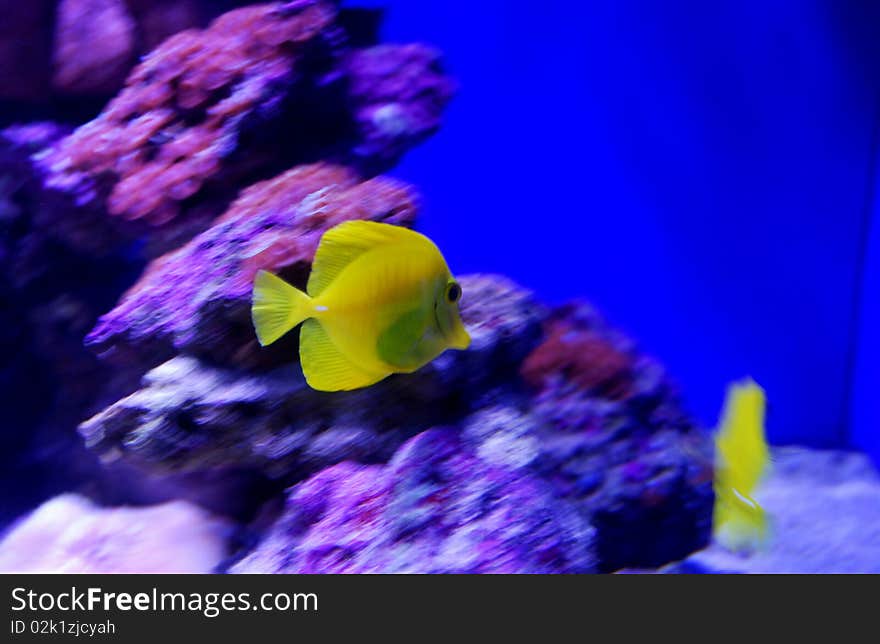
(615, 438)
(434, 508)
(181, 113)
(399, 92)
(191, 414)
(262, 88)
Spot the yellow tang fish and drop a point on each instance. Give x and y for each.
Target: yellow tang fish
(380, 300)
(742, 459)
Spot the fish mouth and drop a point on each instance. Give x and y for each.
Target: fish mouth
(457, 335)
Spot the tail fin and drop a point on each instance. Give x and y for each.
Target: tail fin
(277, 307)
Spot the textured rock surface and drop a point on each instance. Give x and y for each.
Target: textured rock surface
(614, 447)
(51, 48)
(197, 299)
(190, 416)
(399, 92)
(261, 89)
(186, 109)
(434, 508)
(824, 508)
(69, 534)
(614, 438)
(645, 486)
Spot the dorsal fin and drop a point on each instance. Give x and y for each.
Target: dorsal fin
(344, 243)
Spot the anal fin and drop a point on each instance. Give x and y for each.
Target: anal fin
(325, 367)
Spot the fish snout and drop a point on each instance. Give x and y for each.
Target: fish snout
(461, 339)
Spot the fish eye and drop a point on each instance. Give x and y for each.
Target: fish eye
(453, 292)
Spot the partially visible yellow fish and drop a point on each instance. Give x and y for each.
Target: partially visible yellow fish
(380, 300)
(742, 459)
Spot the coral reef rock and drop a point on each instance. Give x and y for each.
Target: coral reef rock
(185, 109)
(434, 508)
(621, 444)
(262, 88)
(824, 511)
(190, 416)
(399, 92)
(610, 444)
(197, 299)
(77, 48)
(69, 534)
(603, 424)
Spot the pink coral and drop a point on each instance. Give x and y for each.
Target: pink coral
(581, 355)
(169, 130)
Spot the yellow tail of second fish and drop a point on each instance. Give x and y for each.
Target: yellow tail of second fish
(277, 307)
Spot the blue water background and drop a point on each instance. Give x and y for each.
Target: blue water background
(700, 171)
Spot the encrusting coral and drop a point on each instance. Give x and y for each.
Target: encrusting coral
(84, 48)
(573, 351)
(197, 298)
(434, 508)
(191, 414)
(193, 122)
(633, 465)
(621, 447)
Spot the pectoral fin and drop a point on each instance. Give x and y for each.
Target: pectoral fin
(325, 367)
